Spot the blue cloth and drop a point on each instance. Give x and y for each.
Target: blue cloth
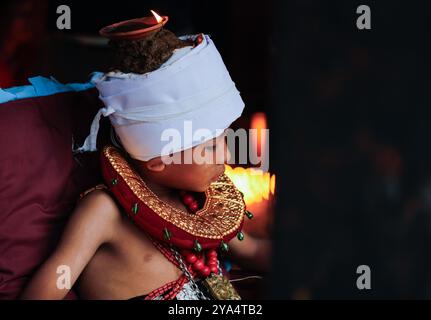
(41, 86)
(227, 264)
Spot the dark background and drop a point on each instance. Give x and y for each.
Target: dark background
(350, 144)
(348, 115)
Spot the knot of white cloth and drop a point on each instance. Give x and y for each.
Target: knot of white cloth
(91, 141)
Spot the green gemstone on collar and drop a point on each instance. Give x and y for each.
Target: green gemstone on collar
(135, 208)
(166, 234)
(249, 214)
(197, 247)
(114, 181)
(240, 236)
(224, 247)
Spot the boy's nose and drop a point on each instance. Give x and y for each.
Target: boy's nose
(227, 154)
(222, 157)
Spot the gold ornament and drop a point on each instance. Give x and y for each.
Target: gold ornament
(221, 288)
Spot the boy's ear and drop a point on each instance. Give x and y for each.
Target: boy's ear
(155, 165)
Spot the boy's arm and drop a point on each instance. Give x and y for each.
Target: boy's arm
(91, 224)
(252, 253)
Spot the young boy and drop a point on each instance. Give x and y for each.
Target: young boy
(156, 228)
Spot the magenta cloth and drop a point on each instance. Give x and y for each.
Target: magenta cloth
(40, 179)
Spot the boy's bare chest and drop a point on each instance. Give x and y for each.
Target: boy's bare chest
(128, 267)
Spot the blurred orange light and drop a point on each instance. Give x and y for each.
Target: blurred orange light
(255, 184)
(258, 122)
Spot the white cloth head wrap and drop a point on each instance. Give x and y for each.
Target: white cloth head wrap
(193, 86)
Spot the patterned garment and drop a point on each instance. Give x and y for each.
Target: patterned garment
(186, 293)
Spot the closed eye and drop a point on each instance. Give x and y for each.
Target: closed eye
(211, 148)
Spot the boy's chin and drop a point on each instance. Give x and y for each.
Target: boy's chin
(202, 188)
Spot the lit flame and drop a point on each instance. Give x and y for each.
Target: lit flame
(158, 18)
(255, 184)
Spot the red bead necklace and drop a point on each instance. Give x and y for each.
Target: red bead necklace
(203, 263)
(189, 201)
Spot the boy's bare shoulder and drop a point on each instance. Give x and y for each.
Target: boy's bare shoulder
(98, 204)
(97, 210)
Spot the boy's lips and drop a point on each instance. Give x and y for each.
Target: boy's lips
(217, 176)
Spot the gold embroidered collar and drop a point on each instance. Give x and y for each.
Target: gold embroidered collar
(222, 214)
